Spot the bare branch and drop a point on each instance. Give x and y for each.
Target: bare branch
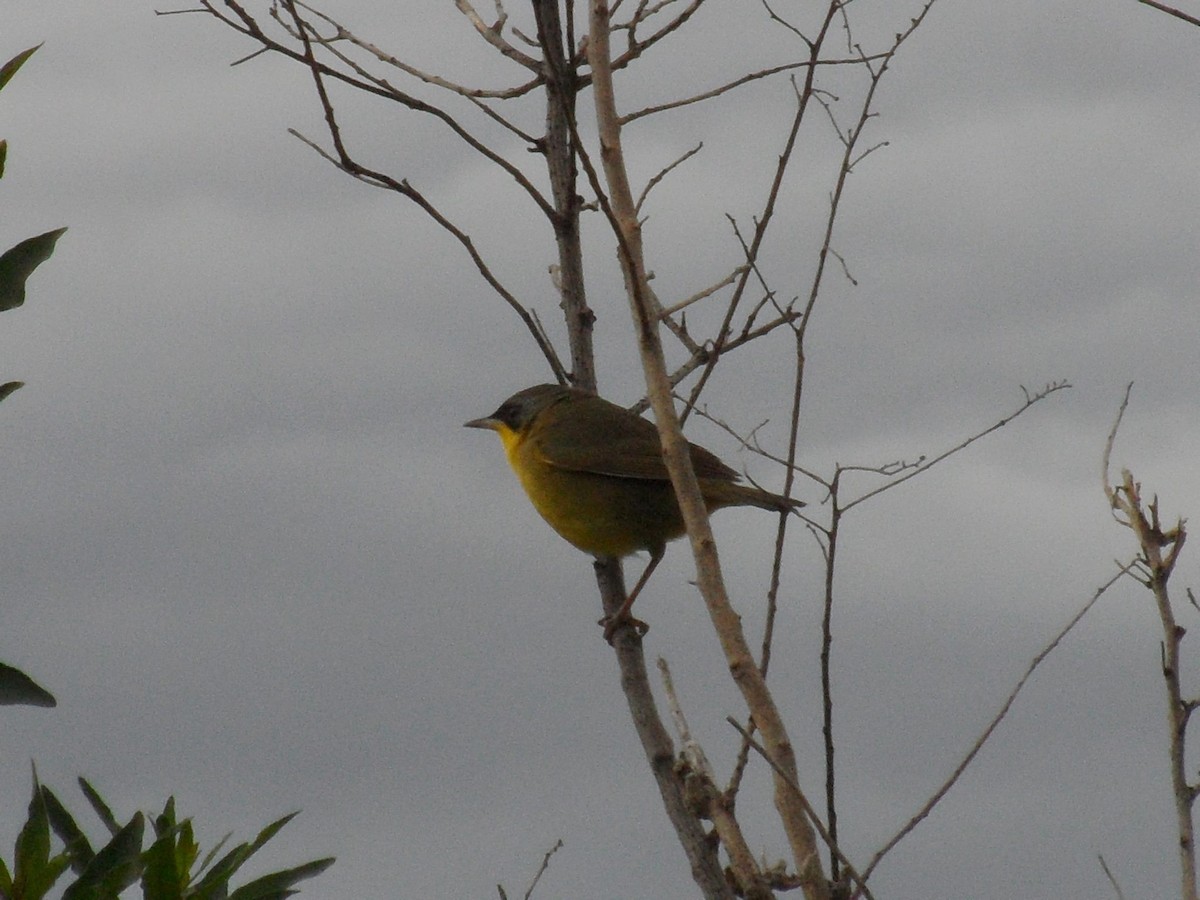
(370, 84)
(860, 881)
(739, 82)
(845, 268)
(850, 141)
(987, 732)
(698, 774)
(543, 867)
(925, 466)
(765, 217)
(491, 34)
(1111, 880)
(637, 48)
(662, 174)
(1159, 550)
(342, 33)
(775, 17)
(676, 456)
(378, 179)
(702, 293)
(1170, 10)
(1109, 491)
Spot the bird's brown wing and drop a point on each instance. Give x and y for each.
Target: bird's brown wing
(605, 439)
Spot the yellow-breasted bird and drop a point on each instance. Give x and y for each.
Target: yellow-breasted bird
(595, 473)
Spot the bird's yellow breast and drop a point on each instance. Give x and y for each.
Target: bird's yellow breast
(600, 514)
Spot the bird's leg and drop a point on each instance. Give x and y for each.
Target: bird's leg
(622, 616)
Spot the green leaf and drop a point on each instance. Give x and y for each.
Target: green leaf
(212, 854)
(9, 69)
(270, 831)
(115, 867)
(18, 264)
(165, 821)
(64, 825)
(34, 870)
(17, 688)
(186, 850)
(278, 885)
(161, 877)
(33, 843)
(98, 804)
(213, 884)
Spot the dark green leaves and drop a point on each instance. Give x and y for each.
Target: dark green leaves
(34, 869)
(278, 885)
(17, 688)
(9, 69)
(75, 841)
(167, 870)
(18, 264)
(116, 865)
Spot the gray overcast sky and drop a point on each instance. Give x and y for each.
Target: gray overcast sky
(262, 566)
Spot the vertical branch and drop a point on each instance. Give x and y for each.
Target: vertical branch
(726, 622)
(560, 148)
(835, 518)
(562, 85)
(657, 744)
(1159, 550)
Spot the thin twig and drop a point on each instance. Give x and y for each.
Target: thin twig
(491, 34)
(861, 881)
(766, 214)
(987, 732)
(1109, 492)
(739, 82)
(372, 85)
(543, 867)
(405, 189)
(1170, 10)
(926, 465)
(650, 185)
(343, 33)
(1109, 875)
(702, 293)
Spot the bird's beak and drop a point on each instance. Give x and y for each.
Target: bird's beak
(486, 422)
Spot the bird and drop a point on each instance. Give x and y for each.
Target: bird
(595, 472)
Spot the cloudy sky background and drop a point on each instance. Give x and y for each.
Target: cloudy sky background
(261, 565)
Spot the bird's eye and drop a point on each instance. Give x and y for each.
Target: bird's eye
(508, 414)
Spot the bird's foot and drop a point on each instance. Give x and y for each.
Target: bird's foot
(613, 624)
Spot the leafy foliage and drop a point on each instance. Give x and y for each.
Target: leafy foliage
(16, 265)
(166, 870)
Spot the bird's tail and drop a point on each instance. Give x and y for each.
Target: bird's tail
(731, 494)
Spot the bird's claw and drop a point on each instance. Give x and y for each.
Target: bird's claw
(612, 624)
